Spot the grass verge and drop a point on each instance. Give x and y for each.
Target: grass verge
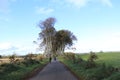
(18, 72)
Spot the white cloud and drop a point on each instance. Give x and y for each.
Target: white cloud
(104, 43)
(107, 2)
(6, 45)
(7, 48)
(77, 3)
(82, 3)
(42, 10)
(27, 48)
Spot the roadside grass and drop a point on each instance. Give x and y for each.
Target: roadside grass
(73, 67)
(17, 72)
(105, 69)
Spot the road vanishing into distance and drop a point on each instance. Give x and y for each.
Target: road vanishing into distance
(54, 71)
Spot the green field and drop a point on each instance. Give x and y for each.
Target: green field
(109, 58)
(105, 68)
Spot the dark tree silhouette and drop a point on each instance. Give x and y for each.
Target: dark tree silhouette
(64, 38)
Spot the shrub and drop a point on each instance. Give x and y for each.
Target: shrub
(99, 73)
(30, 62)
(9, 67)
(70, 56)
(12, 58)
(0, 56)
(91, 60)
(40, 57)
(17, 61)
(92, 57)
(29, 56)
(79, 60)
(115, 76)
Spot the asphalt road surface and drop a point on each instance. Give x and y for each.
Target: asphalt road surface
(54, 71)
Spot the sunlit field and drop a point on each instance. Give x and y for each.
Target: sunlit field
(17, 68)
(7, 60)
(109, 58)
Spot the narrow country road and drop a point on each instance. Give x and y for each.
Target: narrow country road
(54, 71)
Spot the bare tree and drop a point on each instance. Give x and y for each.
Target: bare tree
(46, 36)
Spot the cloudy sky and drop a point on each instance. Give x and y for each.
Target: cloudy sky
(94, 22)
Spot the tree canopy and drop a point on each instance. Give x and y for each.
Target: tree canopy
(54, 42)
